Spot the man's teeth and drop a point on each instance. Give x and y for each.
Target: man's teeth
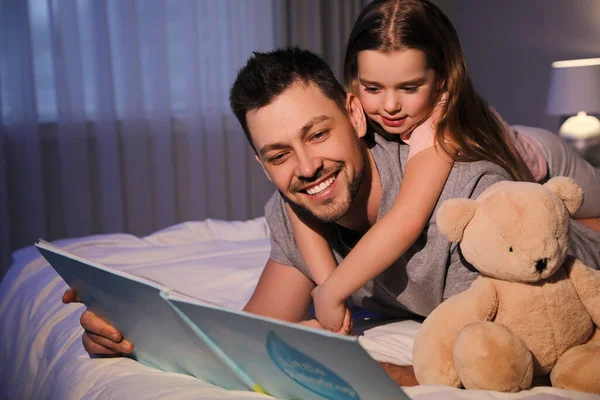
(319, 188)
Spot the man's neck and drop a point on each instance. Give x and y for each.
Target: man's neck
(364, 209)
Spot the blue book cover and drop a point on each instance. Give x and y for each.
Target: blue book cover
(229, 348)
(135, 307)
(290, 361)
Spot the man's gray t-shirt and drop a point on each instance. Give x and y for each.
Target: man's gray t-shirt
(432, 269)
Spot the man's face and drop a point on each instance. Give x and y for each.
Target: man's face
(311, 150)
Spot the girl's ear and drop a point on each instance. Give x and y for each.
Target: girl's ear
(262, 165)
(356, 114)
(440, 82)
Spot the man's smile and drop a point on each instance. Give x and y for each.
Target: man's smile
(322, 189)
(322, 186)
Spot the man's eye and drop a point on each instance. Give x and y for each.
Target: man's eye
(277, 159)
(319, 135)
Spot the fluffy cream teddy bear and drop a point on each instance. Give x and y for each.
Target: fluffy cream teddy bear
(533, 311)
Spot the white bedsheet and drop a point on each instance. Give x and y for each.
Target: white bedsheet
(41, 355)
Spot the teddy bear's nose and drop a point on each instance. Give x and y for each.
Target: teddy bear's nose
(540, 265)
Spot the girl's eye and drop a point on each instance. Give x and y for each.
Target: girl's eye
(411, 89)
(371, 89)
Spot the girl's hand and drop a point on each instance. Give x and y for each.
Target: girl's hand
(347, 329)
(348, 326)
(332, 314)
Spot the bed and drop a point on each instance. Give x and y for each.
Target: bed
(40, 347)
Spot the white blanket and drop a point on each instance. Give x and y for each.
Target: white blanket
(40, 338)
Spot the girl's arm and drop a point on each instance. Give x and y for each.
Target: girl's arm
(424, 178)
(320, 261)
(313, 246)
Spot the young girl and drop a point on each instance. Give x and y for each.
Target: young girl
(405, 63)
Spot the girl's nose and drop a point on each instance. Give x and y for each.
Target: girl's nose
(392, 104)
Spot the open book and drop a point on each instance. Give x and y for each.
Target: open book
(229, 348)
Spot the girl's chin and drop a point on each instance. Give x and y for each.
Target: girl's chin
(401, 131)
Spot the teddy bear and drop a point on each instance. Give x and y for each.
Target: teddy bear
(533, 310)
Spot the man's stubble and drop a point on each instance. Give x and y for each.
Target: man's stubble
(335, 209)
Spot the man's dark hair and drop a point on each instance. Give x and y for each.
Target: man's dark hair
(267, 75)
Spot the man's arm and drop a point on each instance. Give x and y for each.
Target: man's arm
(282, 292)
(403, 375)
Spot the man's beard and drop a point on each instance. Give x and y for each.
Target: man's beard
(334, 209)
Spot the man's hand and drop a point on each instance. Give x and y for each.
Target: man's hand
(331, 313)
(99, 337)
(71, 297)
(403, 375)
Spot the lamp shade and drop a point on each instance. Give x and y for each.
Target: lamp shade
(574, 87)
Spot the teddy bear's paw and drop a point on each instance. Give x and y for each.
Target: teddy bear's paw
(489, 356)
(578, 369)
(432, 358)
(436, 373)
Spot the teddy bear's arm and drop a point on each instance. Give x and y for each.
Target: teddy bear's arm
(433, 357)
(587, 284)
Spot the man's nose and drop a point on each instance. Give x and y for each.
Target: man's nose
(308, 164)
(391, 103)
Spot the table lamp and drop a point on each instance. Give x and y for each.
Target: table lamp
(575, 92)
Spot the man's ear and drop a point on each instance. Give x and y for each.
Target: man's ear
(356, 114)
(258, 160)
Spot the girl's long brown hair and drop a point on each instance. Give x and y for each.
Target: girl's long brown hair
(467, 129)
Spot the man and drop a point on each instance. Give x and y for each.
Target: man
(305, 130)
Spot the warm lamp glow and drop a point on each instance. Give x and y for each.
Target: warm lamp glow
(581, 126)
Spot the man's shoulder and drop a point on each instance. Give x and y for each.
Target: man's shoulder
(470, 170)
(273, 203)
(275, 210)
(279, 224)
(471, 178)
(467, 179)
(464, 172)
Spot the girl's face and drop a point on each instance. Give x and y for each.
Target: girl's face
(397, 89)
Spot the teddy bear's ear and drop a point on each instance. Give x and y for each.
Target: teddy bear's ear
(453, 217)
(568, 191)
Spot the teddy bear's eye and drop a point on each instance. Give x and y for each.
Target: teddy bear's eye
(510, 249)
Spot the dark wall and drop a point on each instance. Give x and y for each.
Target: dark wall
(510, 45)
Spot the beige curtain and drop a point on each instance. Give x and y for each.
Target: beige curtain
(322, 26)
